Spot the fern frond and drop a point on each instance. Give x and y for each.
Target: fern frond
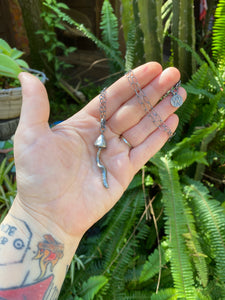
(210, 111)
(130, 48)
(187, 157)
(199, 80)
(152, 265)
(195, 249)
(188, 48)
(212, 220)
(92, 286)
(109, 27)
(218, 38)
(115, 244)
(110, 32)
(167, 294)
(167, 15)
(193, 140)
(109, 52)
(176, 227)
(135, 295)
(215, 70)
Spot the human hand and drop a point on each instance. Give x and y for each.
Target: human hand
(57, 177)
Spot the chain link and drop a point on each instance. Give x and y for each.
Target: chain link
(173, 90)
(148, 107)
(143, 100)
(102, 110)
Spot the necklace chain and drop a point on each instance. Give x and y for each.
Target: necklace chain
(100, 143)
(148, 107)
(102, 110)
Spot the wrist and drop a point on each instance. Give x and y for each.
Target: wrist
(42, 225)
(35, 253)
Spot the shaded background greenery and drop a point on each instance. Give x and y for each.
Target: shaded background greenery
(165, 239)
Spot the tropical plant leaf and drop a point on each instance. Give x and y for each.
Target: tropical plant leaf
(15, 53)
(4, 47)
(8, 67)
(22, 63)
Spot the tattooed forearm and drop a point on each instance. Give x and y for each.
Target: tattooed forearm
(31, 262)
(14, 242)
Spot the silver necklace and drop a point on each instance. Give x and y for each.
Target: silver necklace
(148, 107)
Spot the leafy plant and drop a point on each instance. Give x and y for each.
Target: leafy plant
(10, 60)
(218, 47)
(165, 238)
(188, 206)
(50, 37)
(110, 52)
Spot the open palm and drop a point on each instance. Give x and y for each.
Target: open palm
(57, 175)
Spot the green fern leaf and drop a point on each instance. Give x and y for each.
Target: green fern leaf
(130, 48)
(167, 294)
(111, 54)
(214, 69)
(188, 48)
(187, 157)
(109, 27)
(152, 265)
(167, 15)
(195, 249)
(199, 80)
(134, 295)
(218, 45)
(212, 220)
(90, 288)
(176, 227)
(194, 140)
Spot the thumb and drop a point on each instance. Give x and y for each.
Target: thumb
(35, 105)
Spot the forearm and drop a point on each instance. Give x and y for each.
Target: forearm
(34, 256)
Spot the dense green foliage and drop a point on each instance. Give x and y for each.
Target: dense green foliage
(165, 239)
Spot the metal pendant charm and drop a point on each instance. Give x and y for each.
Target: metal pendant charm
(100, 143)
(176, 100)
